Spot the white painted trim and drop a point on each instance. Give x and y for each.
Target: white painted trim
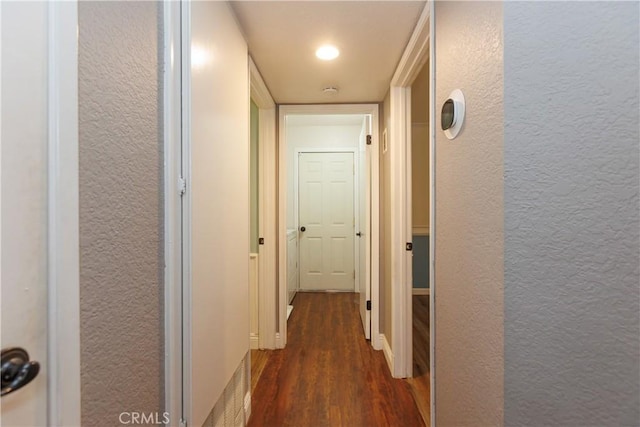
(420, 291)
(414, 57)
(63, 383)
(185, 162)
(172, 115)
(400, 200)
(267, 209)
(254, 341)
(373, 110)
(360, 158)
(432, 210)
(279, 343)
(420, 230)
(259, 90)
(386, 349)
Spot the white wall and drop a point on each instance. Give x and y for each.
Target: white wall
(571, 212)
(314, 136)
(218, 193)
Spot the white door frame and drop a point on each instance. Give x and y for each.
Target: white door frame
(356, 193)
(267, 214)
(172, 114)
(63, 222)
(412, 60)
(63, 392)
(287, 110)
(418, 51)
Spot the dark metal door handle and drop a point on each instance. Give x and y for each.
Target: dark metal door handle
(17, 369)
(359, 234)
(303, 229)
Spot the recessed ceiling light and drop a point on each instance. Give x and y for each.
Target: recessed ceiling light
(327, 52)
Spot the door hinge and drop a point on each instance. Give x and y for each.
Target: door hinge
(409, 246)
(182, 186)
(183, 422)
(368, 139)
(261, 241)
(369, 305)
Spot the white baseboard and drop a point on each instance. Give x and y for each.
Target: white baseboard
(388, 354)
(254, 341)
(421, 291)
(279, 343)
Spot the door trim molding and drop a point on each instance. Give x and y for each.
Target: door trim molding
(172, 114)
(356, 208)
(63, 334)
(284, 111)
(415, 55)
(267, 209)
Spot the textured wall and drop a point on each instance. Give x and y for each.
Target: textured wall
(469, 223)
(572, 304)
(121, 259)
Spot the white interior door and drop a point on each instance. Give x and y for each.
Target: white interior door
(24, 201)
(326, 221)
(364, 240)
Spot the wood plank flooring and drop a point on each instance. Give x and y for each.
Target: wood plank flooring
(259, 360)
(421, 381)
(329, 375)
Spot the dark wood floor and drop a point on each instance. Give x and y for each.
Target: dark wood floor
(329, 375)
(259, 360)
(421, 381)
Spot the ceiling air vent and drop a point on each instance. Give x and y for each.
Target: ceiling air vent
(331, 90)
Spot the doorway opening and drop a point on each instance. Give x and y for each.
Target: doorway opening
(328, 206)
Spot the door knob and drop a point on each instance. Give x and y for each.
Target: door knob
(359, 234)
(303, 229)
(17, 369)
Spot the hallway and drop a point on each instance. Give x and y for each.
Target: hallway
(329, 375)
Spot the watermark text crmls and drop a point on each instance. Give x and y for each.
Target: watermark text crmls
(137, 417)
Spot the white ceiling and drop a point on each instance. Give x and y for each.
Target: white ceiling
(284, 35)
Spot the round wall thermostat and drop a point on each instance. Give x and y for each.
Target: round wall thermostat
(452, 115)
